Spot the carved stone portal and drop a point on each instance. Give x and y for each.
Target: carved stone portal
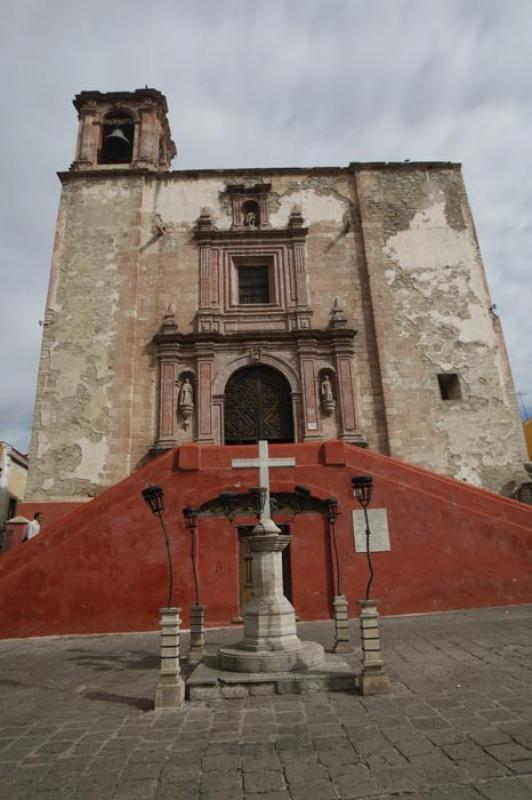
(284, 386)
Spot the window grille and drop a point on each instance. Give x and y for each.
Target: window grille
(253, 285)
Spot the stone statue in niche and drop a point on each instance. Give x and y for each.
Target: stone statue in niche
(186, 402)
(185, 395)
(250, 214)
(326, 389)
(250, 220)
(327, 395)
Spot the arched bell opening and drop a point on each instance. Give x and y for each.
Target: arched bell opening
(118, 132)
(258, 405)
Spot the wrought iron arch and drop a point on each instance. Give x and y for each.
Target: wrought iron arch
(258, 405)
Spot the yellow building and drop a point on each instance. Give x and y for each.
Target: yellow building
(13, 474)
(527, 427)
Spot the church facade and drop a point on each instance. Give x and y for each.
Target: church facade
(296, 305)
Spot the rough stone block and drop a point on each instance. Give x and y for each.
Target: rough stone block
(234, 691)
(262, 688)
(374, 683)
(169, 694)
(204, 692)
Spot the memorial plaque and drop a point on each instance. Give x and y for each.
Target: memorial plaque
(379, 540)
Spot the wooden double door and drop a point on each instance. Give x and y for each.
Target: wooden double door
(258, 405)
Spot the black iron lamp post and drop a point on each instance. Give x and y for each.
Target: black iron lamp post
(333, 512)
(154, 497)
(301, 499)
(170, 689)
(373, 678)
(190, 513)
(258, 496)
(197, 612)
(342, 643)
(363, 486)
(229, 501)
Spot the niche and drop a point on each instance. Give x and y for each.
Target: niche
(186, 384)
(327, 391)
(251, 214)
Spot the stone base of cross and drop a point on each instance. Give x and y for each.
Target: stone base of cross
(270, 642)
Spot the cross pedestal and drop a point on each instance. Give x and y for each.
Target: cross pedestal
(270, 642)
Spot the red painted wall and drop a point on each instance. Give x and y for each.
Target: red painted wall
(51, 512)
(102, 568)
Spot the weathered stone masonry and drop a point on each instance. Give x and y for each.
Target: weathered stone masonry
(376, 281)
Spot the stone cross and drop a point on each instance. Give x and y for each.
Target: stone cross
(263, 462)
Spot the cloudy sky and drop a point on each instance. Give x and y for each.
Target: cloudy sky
(258, 83)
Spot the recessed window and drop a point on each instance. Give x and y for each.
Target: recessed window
(12, 507)
(253, 284)
(449, 384)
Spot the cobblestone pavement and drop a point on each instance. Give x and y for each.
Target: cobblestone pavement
(75, 721)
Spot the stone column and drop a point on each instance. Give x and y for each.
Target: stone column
(348, 428)
(167, 402)
(373, 679)
(205, 433)
(168, 355)
(87, 147)
(342, 643)
(170, 689)
(270, 642)
(197, 634)
(307, 369)
(146, 139)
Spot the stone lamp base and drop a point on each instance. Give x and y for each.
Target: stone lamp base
(170, 689)
(197, 634)
(373, 679)
(342, 639)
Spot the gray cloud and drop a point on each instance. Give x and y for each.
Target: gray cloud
(256, 83)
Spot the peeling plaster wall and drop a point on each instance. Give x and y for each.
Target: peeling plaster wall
(432, 315)
(396, 245)
(169, 273)
(113, 277)
(81, 431)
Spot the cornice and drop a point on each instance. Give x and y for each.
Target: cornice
(103, 174)
(249, 234)
(247, 338)
(225, 174)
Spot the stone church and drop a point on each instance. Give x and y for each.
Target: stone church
(338, 315)
(288, 304)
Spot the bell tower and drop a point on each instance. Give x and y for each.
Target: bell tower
(125, 130)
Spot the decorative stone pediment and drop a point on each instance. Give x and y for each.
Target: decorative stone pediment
(249, 205)
(252, 247)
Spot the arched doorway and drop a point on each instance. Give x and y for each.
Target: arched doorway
(258, 406)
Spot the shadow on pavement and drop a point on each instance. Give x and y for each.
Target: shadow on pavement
(126, 660)
(140, 703)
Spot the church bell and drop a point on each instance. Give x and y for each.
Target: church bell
(117, 146)
(117, 135)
